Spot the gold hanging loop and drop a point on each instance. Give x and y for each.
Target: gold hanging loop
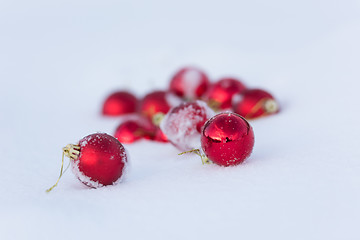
(204, 159)
(71, 151)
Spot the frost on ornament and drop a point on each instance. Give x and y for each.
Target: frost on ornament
(183, 124)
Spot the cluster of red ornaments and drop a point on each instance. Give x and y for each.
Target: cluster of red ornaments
(194, 114)
(187, 85)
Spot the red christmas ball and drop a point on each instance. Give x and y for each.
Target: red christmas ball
(189, 83)
(254, 103)
(139, 128)
(183, 124)
(120, 103)
(227, 139)
(159, 136)
(156, 102)
(98, 160)
(221, 92)
(130, 131)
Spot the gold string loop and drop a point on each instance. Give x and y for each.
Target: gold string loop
(71, 151)
(204, 159)
(61, 173)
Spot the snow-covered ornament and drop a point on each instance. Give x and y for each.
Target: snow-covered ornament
(119, 103)
(255, 103)
(97, 160)
(183, 124)
(227, 139)
(189, 83)
(221, 92)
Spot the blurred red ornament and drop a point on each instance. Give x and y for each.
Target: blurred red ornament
(131, 131)
(255, 103)
(221, 92)
(227, 139)
(139, 127)
(155, 102)
(97, 160)
(120, 103)
(183, 124)
(189, 83)
(159, 136)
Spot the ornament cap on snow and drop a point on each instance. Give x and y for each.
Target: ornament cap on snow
(157, 118)
(71, 151)
(271, 106)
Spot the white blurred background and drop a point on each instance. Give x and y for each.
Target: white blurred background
(59, 60)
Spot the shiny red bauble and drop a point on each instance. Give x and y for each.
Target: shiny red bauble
(156, 102)
(254, 103)
(221, 92)
(227, 139)
(120, 103)
(189, 83)
(183, 124)
(97, 160)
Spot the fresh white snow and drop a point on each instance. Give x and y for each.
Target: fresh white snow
(59, 60)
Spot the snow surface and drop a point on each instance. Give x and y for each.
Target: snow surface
(59, 60)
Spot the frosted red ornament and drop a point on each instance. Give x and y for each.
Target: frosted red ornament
(255, 103)
(97, 160)
(183, 124)
(189, 83)
(221, 92)
(227, 139)
(157, 102)
(120, 103)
